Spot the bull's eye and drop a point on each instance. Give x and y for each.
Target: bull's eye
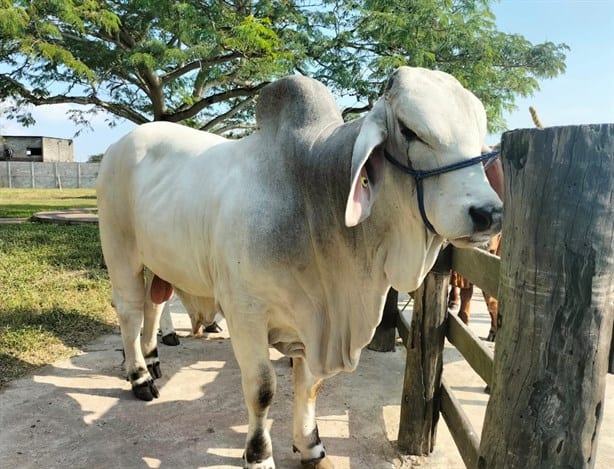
(364, 182)
(409, 134)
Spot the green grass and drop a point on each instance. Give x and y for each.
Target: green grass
(23, 203)
(54, 292)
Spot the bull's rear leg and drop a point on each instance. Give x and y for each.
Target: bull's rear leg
(130, 314)
(251, 349)
(169, 335)
(306, 437)
(149, 336)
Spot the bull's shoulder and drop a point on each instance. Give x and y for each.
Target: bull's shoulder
(296, 102)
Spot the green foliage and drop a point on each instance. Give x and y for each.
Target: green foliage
(203, 62)
(97, 158)
(56, 294)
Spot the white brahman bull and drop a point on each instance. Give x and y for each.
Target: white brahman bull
(294, 233)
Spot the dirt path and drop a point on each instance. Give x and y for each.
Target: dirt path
(80, 412)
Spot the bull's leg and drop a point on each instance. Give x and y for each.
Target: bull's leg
(128, 298)
(149, 339)
(169, 335)
(251, 348)
(465, 304)
(306, 438)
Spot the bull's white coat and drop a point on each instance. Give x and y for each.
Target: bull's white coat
(281, 232)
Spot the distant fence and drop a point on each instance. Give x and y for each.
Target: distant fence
(22, 174)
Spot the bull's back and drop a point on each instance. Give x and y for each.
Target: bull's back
(146, 190)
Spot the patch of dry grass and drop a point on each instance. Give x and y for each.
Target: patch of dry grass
(23, 203)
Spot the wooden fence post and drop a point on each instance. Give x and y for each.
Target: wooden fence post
(422, 385)
(556, 293)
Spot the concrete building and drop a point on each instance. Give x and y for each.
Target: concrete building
(46, 149)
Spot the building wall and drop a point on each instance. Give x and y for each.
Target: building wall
(21, 148)
(57, 149)
(17, 148)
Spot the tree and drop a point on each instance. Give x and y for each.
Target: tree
(202, 62)
(97, 158)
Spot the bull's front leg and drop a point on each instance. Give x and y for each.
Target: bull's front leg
(306, 438)
(251, 349)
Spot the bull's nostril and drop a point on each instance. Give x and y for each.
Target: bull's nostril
(483, 217)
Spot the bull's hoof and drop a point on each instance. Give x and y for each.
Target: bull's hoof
(491, 336)
(268, 463)
(171, 339)
(153, 364)
(146, 391)
(213, 328)
(154, 370)
(324, 463)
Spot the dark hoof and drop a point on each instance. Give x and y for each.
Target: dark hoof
(267, 464)
(146, 391)
(171, 339)
(214, 328)
(324, 463)
(154, 370)
(491, 336)
(487, 390)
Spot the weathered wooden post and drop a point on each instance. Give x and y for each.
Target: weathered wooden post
(556, 297)
(422, 385)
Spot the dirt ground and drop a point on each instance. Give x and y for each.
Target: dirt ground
(80, 413)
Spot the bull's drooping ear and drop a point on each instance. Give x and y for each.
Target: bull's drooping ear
(367, 165)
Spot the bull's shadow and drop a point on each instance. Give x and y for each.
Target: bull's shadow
(80, 412)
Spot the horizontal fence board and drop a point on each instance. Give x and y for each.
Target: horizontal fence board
(479, 267)
(460, 427)
(479, 357)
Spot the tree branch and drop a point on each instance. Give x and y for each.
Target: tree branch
(211, 100)
(356, 110)
(215, 121)
(37, 100)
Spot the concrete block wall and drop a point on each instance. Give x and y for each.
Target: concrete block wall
(48, 175)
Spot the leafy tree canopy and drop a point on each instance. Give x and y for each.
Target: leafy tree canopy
(202, 62)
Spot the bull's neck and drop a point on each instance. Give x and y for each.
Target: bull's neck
(408, 247)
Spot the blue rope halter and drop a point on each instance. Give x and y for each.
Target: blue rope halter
(419, 175)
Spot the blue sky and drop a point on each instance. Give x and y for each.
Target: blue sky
(583, 95)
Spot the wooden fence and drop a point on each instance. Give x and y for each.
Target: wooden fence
(555, 287)
(424, 343)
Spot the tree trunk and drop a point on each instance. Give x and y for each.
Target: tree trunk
(556, 299)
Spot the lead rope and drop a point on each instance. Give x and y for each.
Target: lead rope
(419, 175)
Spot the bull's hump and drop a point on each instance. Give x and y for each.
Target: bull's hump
(296, 102)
